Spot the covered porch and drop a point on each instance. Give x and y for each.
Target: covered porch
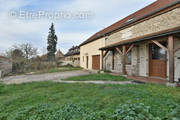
(151, 57)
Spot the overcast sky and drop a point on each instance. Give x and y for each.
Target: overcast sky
(71, 29)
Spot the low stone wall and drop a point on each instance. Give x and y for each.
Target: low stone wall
(75, 63)
(5, 68)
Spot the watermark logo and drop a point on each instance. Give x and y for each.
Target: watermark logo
(52, 15)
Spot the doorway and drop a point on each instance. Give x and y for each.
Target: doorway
(157, 62)
(87, 61)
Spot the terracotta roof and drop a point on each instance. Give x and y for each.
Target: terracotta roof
(3, 57)
(157, 5)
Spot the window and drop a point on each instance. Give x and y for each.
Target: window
(158, 53)
(128, 58)
(130, 20)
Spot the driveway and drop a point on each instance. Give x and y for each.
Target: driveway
(42, 77)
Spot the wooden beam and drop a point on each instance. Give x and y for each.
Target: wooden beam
(124, 60)
(171, 58)
(176, 49)
(160, 45)
(106, 53)
(113, 52)
(130, 48)
(119, 51)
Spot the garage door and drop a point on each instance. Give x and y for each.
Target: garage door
(96, 62)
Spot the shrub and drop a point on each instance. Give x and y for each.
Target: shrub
(48, 112)
(1, 87)
(78, 112)
(173, 114)
(134, 112)
(68, 65)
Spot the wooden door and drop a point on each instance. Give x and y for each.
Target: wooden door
(158, 62)
(96, 62)
(87, 61)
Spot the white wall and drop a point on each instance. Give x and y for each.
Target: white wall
(89, 50)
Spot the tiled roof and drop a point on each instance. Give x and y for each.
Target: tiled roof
(157, 5)
(75, 50)
(2, 57)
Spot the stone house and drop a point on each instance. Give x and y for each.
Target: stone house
(5, 66)
(145, 43)
(72, 57)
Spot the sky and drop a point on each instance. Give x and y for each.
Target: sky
(28, 21)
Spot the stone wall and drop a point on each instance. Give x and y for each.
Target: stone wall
(73, 60)
(108, 61)
(5, 67)
(165, 21)
(132, 69)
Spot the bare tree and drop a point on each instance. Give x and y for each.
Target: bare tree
(28, 50)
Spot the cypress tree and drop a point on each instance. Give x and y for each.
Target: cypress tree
(52, 42)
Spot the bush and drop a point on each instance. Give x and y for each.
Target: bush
(134, 112)
(1, 87)
(68, 65)
(48, 112)
(173, 114)
(78, 112)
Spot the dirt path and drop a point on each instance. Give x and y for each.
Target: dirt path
(42, 77)
(56, 77)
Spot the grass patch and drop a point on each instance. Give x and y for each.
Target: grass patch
(55, 101)
(104, 77)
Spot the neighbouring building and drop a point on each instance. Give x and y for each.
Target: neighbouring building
(5, 66)
(145, 43)
(59, 55)
(72, 57)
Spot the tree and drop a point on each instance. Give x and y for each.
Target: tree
(52, 42)
(17, 54)
(28, 50)
(17, 60)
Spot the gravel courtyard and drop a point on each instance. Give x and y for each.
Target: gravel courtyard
(42, 77)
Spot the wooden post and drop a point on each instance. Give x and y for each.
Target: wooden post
(102, 59)
(124, 60)
(113, 51)
(171, 58)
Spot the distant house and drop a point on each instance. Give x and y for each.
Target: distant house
(59, 55)
(72, 57)
(5, 66)
(143, 44)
